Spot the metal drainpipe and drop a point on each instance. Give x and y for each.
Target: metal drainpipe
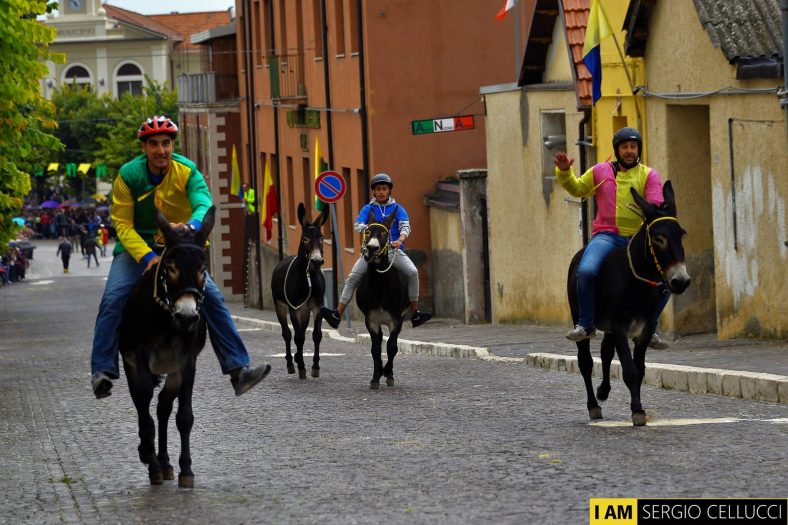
(275, 110)
(581, 133)
(251, 125)
(363, 98)
(329, 129)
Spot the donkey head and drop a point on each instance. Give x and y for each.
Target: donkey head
(664, 234)
(311, 245)
(181, 274)
(375, 243)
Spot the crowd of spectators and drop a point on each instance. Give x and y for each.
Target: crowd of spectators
(60, 217)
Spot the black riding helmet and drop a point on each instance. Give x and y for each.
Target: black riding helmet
(381, 178)
(624, 135)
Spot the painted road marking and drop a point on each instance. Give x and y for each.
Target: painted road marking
(36, 283)
(307, 355)
(678, 422)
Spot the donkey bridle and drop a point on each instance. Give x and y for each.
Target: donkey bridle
(651, 249)
(384, 250)
(167, 304)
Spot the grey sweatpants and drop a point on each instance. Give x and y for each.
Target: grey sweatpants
(402, 263)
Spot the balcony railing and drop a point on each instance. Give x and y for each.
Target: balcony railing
(205, 88)
(286, 73)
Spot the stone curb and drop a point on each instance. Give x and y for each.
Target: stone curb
(730, 383)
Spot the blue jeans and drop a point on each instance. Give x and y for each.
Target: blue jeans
(597, 250)
(123, 275)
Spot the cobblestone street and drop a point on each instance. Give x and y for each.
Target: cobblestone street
(454, 441)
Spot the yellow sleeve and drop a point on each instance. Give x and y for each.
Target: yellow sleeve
(581, 187)
(123, 218)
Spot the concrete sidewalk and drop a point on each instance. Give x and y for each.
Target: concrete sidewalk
(742, 368)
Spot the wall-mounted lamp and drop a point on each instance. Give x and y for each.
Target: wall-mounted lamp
(101, 82)
(50, 83)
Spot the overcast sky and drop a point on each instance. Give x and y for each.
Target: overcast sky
(159, 7)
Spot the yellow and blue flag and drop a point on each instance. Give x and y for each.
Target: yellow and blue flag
(597, 29)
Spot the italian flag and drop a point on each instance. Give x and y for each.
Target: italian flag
(508, 5)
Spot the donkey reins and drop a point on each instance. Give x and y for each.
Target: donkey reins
(166, 304)
(308, 282)
(383, 251)
(651, 249)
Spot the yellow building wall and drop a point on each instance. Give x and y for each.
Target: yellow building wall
(750, 280)
(618, 107)
(532, 237)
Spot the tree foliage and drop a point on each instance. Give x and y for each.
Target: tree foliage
(25, 116)
(100, 129)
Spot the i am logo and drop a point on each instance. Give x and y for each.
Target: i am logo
(618, 511)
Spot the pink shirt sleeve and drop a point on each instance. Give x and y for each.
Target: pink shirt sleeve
(653, 188)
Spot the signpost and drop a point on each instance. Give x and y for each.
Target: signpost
(330, 186)
(442, 125)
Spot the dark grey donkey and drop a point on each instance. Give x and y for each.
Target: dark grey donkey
(628, 296)
(298, 287)
(162, 332)
(382, 296)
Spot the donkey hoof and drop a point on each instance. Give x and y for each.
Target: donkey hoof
(374, 385)
(602, 392)
(186, 481)
(156, 478)
(595, 413)
(301, 373)
(315, 372)
(390, 381)
(290, 369)
(639, 419)
(168, 473)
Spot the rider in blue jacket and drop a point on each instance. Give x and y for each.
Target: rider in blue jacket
(381, 206)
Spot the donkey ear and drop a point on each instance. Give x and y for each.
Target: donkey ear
(207, 226)
(642, 203)
(170, 236)
(389, 220)
(669, 198)
(301, 213)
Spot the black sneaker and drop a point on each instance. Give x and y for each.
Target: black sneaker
(247, 377)
(331, 316)
(419, 318)
(102, 385)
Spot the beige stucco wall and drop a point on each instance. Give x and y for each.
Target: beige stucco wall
(532, 238)
(447, 267)
(556, 64)
(750, 279)
(103, 59)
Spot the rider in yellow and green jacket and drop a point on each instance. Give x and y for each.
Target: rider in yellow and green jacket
(160, 178)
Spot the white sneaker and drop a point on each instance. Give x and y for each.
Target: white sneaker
(580, 333)
(657, 343)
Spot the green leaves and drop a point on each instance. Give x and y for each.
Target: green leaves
(103, 130)
(25, 121)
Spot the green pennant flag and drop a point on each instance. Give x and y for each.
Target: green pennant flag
(39, 172)
(101, 171)
(71, 170)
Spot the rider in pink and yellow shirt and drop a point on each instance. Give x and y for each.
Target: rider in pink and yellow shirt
(615, 222)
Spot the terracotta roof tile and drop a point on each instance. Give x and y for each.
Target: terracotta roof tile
(187, 24)
(576, 19)
(136, 19)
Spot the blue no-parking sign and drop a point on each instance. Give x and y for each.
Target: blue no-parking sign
(330, 186)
